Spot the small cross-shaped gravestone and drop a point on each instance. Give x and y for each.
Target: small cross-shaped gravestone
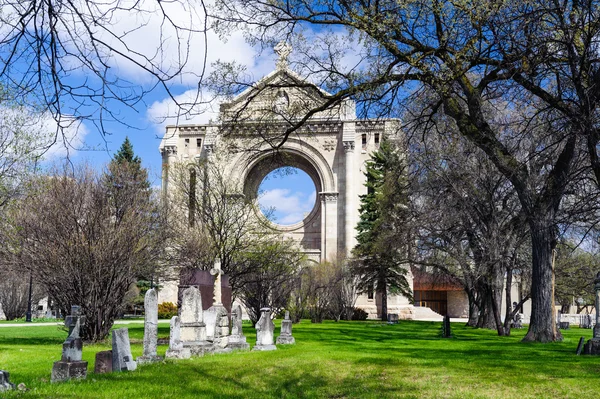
(74, 322)
(285, 335)
(70, 365)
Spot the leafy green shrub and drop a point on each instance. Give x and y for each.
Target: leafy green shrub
(359, 314)
(166, 310)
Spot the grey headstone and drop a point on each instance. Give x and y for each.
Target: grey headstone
(103, 362)
(5, 383)
(70, 366)
(393, 318)
(193, 329)
(150, 328)
(121, 351)
(580, 346)
(176, 349)
(285, 337)
(264, 331)
(237, 339)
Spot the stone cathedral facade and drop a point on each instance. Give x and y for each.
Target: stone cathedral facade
(331, 147)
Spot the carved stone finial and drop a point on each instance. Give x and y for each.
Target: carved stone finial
(283, 50)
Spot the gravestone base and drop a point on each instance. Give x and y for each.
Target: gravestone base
(238, 343)
(64, 371)
(198, 348)
(264, 348)
(183, 353)
(103, 362)
(218, 350)
(285, 340)
(5, 384)
(148, 359)
(592, 347)
(191, 332)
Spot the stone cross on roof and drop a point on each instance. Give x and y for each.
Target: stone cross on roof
(283, 50)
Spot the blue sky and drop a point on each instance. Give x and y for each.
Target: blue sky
(289, 196)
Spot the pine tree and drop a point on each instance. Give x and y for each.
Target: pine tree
(126, 179)
(382, 239)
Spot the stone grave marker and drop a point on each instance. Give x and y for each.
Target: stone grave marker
(122, 360)
(103, 362)
(176, 349)
(392, 318)
(70, 366)
(285, 337)
(580, 346)
(5, 384)
(193, 328)
(237, 339)
(150, 328)
(264, 331)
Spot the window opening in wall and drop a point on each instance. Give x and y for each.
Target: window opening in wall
(370, 293)
(198, 143)
(376, 138)
(187, 143)
(364, 141)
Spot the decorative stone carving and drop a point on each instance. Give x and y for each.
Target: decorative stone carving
(209, 149)
(328, 197)
(170, 150)
(329, 144)
(348, 146)
(283, 50)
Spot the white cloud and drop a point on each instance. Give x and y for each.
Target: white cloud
(164, 112)
(288, 207)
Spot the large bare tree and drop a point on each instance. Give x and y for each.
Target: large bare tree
(466, 54)
(80, 60)
(67, 233)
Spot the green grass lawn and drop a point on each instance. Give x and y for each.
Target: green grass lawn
(329, 360)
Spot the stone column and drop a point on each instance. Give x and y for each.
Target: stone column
(349, 206)
(169, 156)
(329, 228)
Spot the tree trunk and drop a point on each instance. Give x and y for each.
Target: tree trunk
(509, 306)
(473, 309)
(384, 304)
(542, 327)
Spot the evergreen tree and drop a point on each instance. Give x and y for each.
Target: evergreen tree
(126, 179)
(382, 239)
